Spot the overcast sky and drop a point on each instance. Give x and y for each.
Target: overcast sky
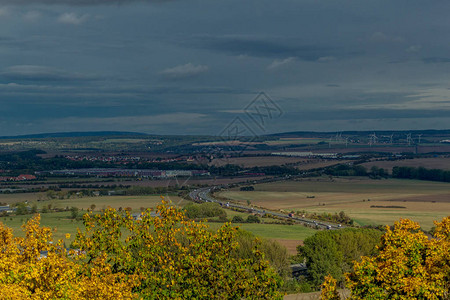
(192, 67)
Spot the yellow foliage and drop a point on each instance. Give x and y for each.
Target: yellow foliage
(329, 291)
(26, 274)
(409, 265)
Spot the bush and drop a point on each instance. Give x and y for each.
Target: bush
(247, 188)
(204, 210)
(238, 219)
(21, 209)
(333, 252)
(273, 251)
(253, 219)
(73, 212)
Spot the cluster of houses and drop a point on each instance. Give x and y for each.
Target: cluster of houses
(306, 154)
(21, 177)
(120, 159)
(6, 209)
(106, 172)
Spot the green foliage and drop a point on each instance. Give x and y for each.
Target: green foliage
(253, 219)
(341, 217)
(333, 252)
(247, 188)
(273, 251)
(73, 212)
(237, 219)
(421, 173)
(347, 170)
(294, 285)
(376, 172)
(21, 209)
(322, 257)
(204, 210)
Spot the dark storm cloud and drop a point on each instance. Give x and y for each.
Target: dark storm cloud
(436, 60)
(366, 114)
(40, 73)
(264, 47)
(77, 60)
(78, 2)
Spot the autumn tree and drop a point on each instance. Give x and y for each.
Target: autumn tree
(332, 252)
(25, 273)
(409, 265)
(177, 258)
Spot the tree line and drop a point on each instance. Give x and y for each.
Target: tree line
(421, 173)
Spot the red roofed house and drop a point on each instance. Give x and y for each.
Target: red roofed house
(22, 177)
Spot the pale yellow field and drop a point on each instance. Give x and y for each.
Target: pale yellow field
(423, 201)
(21, 197)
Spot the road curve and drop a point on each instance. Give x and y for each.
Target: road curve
(204, 195)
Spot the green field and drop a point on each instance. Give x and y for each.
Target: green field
(273, 231)
(101, 202)
(59, 222)
(135, 202)
(422, 201)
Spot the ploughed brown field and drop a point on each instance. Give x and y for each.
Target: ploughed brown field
(291, 245)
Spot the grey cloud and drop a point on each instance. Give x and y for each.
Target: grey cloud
(367, 114)
(4, 12)
(32, 16)
(436, 60)
(263, 47)
(40, 73)
(381, 37)
(281, 62)
(184, 71)
(77, 2)
(72, 18)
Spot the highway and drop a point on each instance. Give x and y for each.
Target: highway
(204, 194)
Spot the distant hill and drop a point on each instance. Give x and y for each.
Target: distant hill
(73, 134)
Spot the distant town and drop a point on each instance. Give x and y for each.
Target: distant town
(107, 172)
